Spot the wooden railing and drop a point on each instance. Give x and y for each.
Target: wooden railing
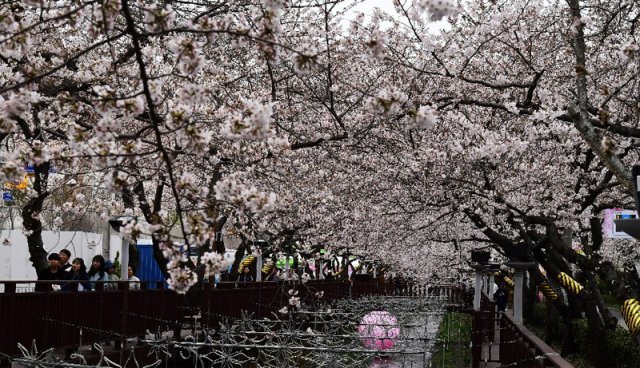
(64, 319)
(523, 347)
(518, 347)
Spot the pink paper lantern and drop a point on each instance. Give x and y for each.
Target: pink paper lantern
(378, 330)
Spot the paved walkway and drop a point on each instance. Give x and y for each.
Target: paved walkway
(491, 350)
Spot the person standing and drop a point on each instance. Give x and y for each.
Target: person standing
(52, 273)
(501, 296)
(244, 277)
(400, 284)
(78, 273)
(97, 272)
(65, 256)
(110, 268)
(273, 276)
(134, 282)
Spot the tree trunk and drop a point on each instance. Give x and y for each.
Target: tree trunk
(31, 218)
(134, 254)
(158, 256)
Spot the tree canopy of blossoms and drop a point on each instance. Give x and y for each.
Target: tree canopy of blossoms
(308, 121)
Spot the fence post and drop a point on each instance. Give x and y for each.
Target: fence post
(10, 287)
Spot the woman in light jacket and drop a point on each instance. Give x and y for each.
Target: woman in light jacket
(97, 271)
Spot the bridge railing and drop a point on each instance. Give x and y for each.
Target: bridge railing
(523, 348)
(518, 347)
(65, 319)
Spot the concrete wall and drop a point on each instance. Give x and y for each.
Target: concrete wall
(14, 259)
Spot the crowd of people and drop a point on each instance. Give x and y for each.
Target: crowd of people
(74, 275)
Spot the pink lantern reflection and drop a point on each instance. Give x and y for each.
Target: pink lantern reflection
(383, 362)
(378, 330)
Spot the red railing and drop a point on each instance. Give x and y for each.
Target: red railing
(261, 299)
(65, 319)
(517, 346)
(523, 347)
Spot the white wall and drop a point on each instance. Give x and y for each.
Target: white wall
(14, 259)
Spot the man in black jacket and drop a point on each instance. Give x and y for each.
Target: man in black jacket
(52, 273)
(244, 277)
(501, 296)
(65, 256)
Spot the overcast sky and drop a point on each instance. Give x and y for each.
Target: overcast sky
(367, 7)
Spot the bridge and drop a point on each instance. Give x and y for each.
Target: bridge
(71, 319)
(501, 342)
(66, 319)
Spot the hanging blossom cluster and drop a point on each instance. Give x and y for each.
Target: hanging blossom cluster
(294, 299)
(15, 105)
(629, 51)
(214, 263)
(424, 118)
(231, 190)
(181, 279)
(252, 120)
(188, 54)
(439, 9)
(103, 15)
(158, 18)
(388, 101)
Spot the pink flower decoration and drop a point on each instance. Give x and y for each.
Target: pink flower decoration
(378, 330)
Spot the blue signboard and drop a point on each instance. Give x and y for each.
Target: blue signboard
(7, 196)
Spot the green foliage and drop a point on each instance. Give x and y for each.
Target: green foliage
(116, 262)
(454, 335)
(622, 351)
(538, 315)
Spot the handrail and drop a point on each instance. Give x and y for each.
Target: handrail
(518, 345)
(542, 351)
(11, 286)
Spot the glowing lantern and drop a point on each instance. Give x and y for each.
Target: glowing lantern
(378, 330)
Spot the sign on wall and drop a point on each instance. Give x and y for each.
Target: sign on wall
(609, 227)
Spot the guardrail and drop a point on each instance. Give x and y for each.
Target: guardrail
(65, 319)
(523, 347)
(518, 347)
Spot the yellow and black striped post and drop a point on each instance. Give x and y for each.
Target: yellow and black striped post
(569, 283)
(508, 281)
(246, 262)
(631, 313)
(267, 267)
(548, 291)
